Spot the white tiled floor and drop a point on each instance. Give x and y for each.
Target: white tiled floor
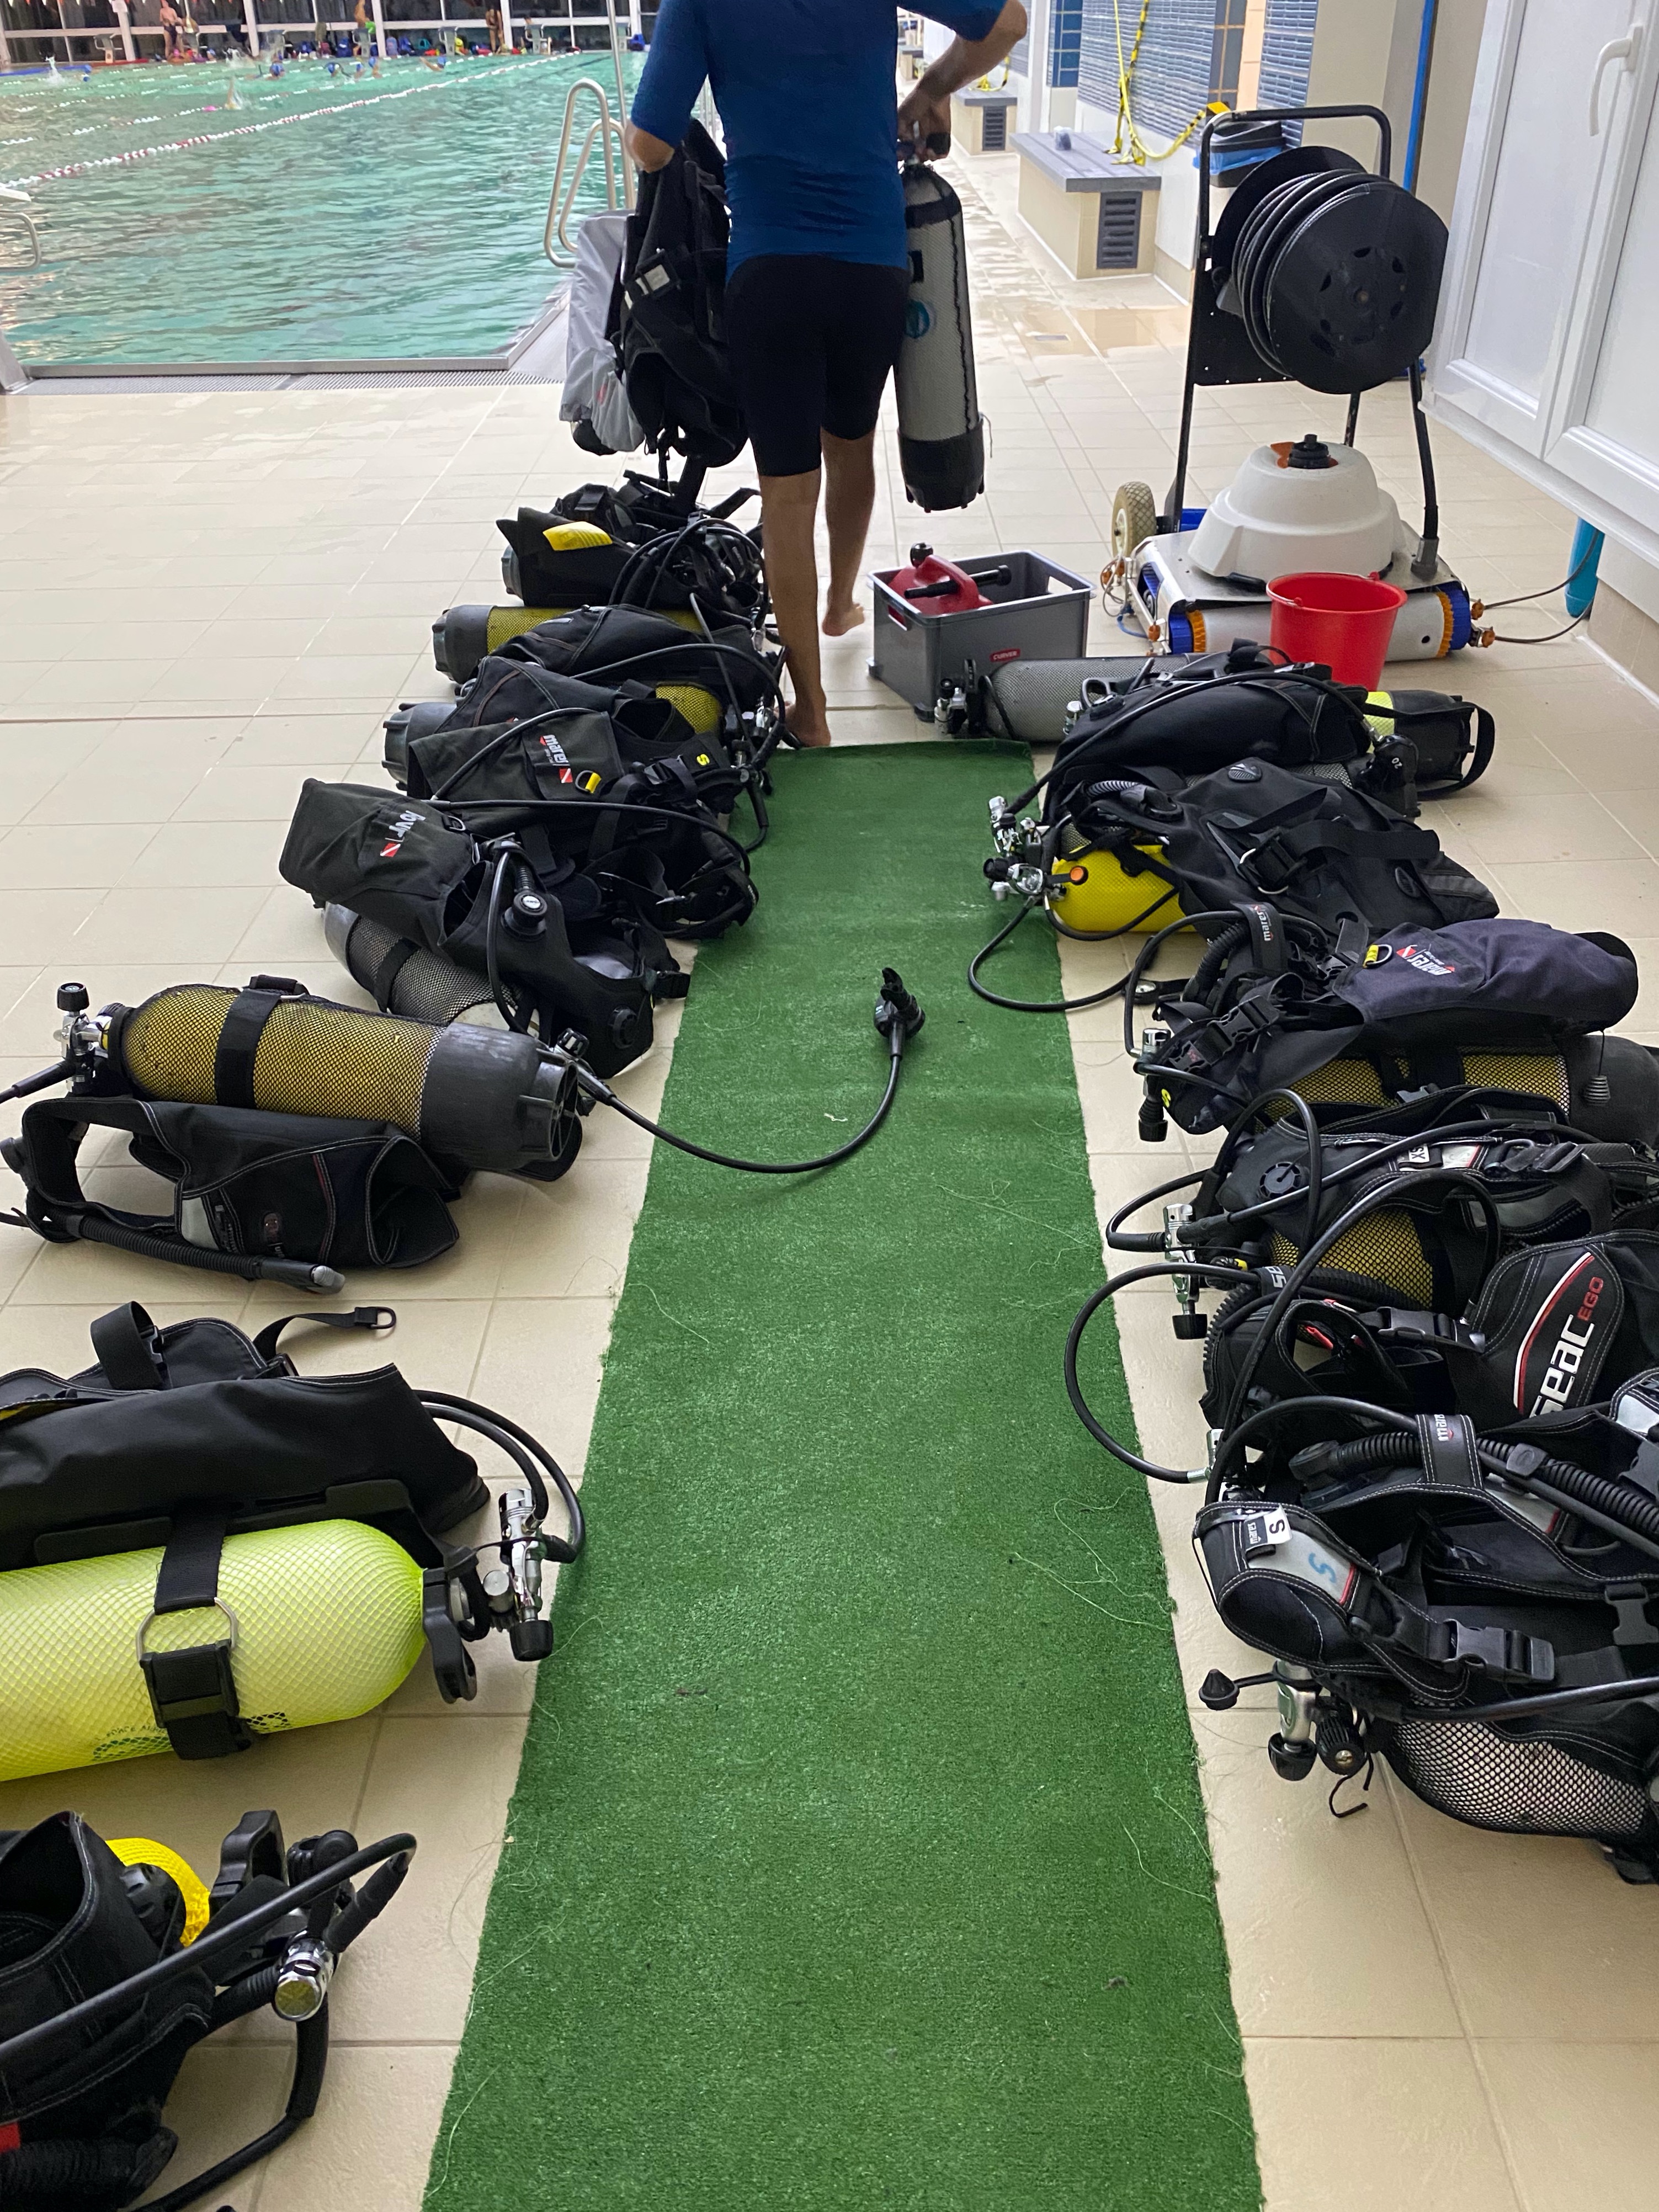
(204, 599)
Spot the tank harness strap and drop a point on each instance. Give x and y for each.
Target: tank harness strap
(192, 1692)
(239, 1040)
(127, 1345)
(396, 958)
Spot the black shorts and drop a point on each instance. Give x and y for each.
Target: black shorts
(812, 341)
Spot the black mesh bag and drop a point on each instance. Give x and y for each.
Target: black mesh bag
(289, 1187)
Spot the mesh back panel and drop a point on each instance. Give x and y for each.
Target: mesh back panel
(1534, 1788)
(504, 622)
(1386, 1249)
(1354, 1082)
(312, 1058)
(427, 988)
(512, 621)
(1543, 1073)
(1339, 1083)
(700, 708)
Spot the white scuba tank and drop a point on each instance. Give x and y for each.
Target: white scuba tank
(941, 431)
(327, 1623)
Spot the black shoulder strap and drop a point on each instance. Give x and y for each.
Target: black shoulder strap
(127, 1347)
(192, 1692)
(1486, 738)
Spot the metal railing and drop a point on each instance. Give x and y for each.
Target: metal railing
(30, 231)
(561, 31)
(605, 128)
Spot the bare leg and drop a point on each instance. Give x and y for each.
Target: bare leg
(789, 506)
(849, 496)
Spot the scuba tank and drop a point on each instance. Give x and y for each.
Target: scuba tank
(940, 587)
(941, 431)
(476, 1097)
(328, 1622)
(464, 636)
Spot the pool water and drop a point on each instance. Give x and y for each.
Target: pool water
(319, 218)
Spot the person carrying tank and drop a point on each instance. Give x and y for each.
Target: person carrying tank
(817, 275)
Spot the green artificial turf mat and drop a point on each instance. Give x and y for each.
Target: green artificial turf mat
(858, 1857)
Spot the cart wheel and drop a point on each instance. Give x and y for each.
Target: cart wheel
(1134, 517)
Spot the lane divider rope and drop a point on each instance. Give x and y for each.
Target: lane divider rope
(247, 129)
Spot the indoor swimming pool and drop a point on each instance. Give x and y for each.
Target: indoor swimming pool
(210, 213)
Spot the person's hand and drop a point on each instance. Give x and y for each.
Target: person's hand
(923, 116)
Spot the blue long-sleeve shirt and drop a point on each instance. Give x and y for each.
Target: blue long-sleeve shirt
(807, 100)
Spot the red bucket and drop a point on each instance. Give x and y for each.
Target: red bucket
(1346, 621)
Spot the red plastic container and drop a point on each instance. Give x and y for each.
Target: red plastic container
(1346, 621)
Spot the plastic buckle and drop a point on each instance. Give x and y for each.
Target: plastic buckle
(192, 1692)
(1629, 1601)
(1502, 1651)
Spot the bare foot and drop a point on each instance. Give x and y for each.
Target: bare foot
(837, 621)
(808, 729)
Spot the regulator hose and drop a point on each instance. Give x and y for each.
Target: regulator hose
(1082, 936)
(898, 1018)
(527, 1452)
(1086, 1312)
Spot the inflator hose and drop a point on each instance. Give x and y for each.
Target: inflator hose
(1612, 1505)
(1194, 1269)
(898, 1017)
(298, 1274)
(1081, 936)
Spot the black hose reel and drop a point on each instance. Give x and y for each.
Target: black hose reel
(1334, 271)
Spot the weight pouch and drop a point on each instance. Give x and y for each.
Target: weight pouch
(1488, 981)
(1453, 738)
(343, 1194)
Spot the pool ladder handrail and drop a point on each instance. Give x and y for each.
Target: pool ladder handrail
(9, 200)
(605, 127)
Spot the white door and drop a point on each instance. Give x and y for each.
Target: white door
(1533, 188)
(1604, 428)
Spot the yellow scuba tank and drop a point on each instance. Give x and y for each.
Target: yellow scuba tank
(324, 1621)
(1089, 890)
(463, 635)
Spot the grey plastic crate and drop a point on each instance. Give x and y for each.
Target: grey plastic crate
(1041, 613)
